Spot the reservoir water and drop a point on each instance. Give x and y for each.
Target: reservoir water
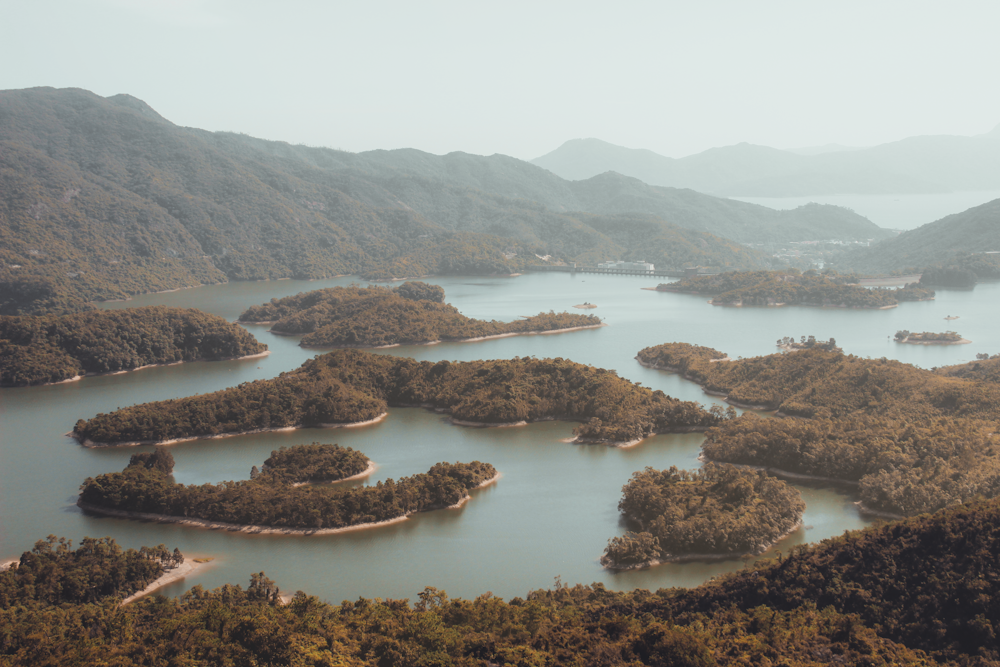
(550, 514)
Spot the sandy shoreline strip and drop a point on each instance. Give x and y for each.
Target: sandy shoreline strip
(136, 443)
(263, 530)
(435, 342)
(189, 566)
(960, 341)
(704, 557)
(372, 467)
(77, 378)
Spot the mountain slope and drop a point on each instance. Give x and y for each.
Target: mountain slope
(103, 198)
(975, 230)
(914, 164)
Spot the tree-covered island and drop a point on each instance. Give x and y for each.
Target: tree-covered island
(353, 386)
(53, 348)
(930, 338)
(275, 500)
(781, 288)
(718, 510)
(412, 313)
(913, 440)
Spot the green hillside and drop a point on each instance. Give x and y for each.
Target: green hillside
(942, 243)
(104, 198)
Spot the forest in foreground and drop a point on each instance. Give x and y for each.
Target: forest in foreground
(914, 440)
(51, 348)
(412, 313)
(350, 386)
(279, 496)
(923, 591)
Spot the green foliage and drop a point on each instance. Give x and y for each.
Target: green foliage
(281, 497)
(376, 316)
(927, 336)
(915, 440)
(717, 509)
(769, 288)
(54, 573)
(103, 200)
(40, 349)
(348, 386)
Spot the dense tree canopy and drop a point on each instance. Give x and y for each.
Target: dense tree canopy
(277, 498)
(915, 440)
(924, 591)
(771, 288)
(414, 312)
(348, 386)
(40, 349)
(716, 510)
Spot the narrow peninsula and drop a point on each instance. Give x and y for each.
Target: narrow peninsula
(54, 348)
(352, 386)
(791, 288)
(273, 500)
(717, 511)
(413, 313)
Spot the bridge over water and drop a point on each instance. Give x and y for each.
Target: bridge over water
(612, 272)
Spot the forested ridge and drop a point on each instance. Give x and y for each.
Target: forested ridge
(347, 386)
(715, 510)
(915, 440)
(273, 499)
(105, 198)
(923, 591)
(956, 241)
(50, 348)
(379, 316)
(777, 288)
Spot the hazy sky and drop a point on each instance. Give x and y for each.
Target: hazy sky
(522, 77)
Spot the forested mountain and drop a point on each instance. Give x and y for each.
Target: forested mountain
(51, 348)
(915, 164)
(103, 198)
(349, 386)
(955, 240)
(914, 440)
(379, 316)
(925, 591)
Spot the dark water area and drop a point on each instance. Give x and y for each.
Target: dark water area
(555, 506)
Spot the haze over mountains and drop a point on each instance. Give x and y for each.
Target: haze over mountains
(103, 197)
(924, 164)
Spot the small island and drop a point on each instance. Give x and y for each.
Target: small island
(717, 511)
(790, 344)
(283, 497)
(585, 305)
(791, 288)
(351, 387)
(410, 314)
(42, 349)
(928, 338)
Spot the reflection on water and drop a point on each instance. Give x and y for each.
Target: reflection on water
(550, 514)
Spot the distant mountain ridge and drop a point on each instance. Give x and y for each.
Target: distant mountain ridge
(913, 165)
(976, 230)
(103, 197)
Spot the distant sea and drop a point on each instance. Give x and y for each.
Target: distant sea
(889, 211)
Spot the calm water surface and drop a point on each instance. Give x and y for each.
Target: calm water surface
(556, 504)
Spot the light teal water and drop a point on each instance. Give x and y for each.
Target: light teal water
(551, 513)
